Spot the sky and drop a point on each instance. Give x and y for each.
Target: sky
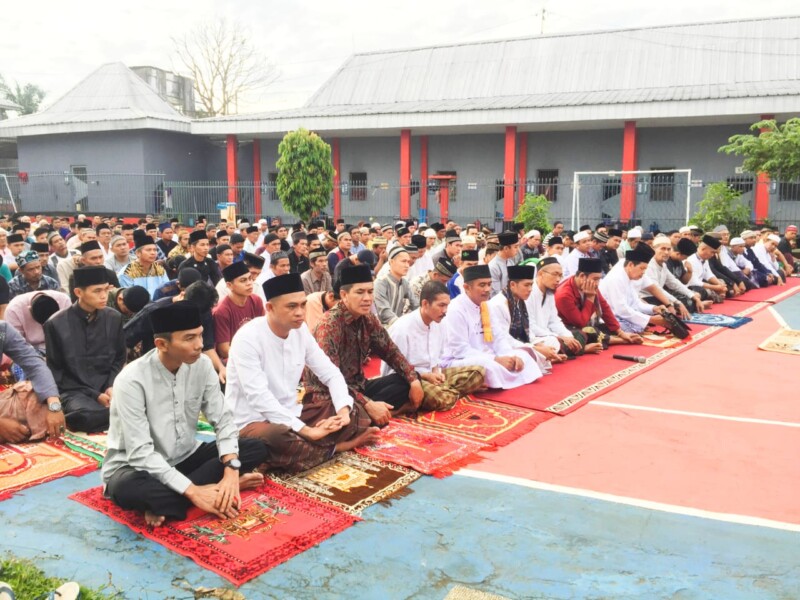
(56, 44)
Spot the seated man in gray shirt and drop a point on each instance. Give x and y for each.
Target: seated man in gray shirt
(154, 462)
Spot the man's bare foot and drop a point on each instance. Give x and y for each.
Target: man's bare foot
(595, 348)
(248, 481)
(369, 435)
(154, 520)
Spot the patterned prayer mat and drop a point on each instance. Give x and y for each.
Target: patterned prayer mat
(351, 482)
(429, 452)
(660, 340)
(482, 421)
(25, 465)
(274, 524)
(717, 320)
(786, 341)
(93, 445)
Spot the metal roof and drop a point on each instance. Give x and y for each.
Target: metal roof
(667, 72)
(112, 98)
(8, 105)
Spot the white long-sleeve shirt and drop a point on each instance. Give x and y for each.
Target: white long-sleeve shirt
(670, 284)
(701, 271)
(464, 332)
(570, 264)
(421, 344)
(765, 258)
(264, 371)
(623, 298)
(543, 314)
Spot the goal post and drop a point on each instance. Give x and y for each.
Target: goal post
(659, 197)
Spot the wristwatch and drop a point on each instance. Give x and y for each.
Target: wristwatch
(54, 406)
(234, 464)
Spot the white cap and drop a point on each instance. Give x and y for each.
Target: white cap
(634, 234)
(661, 240)
(737, 241)
(582, 235)
(774, 238)
(747, 233)
(684, 229)
(531, 233)
(376, 225)
(429, 233)
(262, 221)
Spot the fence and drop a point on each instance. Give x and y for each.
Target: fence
(660, 198)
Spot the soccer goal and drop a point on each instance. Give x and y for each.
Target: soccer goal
(6, 195)
(660, 198)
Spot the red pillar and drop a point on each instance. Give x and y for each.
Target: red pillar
(522, 169)
(337, 180)
(257, 178)
(405, 173)
(423, 183)
(509, 173)
(627, 206)
(761, 203)
(231, 147)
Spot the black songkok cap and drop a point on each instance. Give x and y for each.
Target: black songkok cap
(282, 285)
(89, 246)
(517, 272)
(235, 270)
(176, 316)
(469, 255)
(237, 238)
(637, 256)
(140, 240)
(401, 231)
(150, 227)
(548, 260)
(437, 227)
(187, 276)
(86, 276)
(252, 229)
(136, 297)
(194, 237)
(451, 236)
(221, 233)
(615, 233)
(269, 238)
(556, 239)
(419, 241)
(477, 272)
(646, 251)
(445, 266)
(253, 260)
(711, 241)
(518, 227)
(686, 246)
(355, 274)
(43, 307)
(590, 265)
(39, 247)
(507, 238)
(14, 238)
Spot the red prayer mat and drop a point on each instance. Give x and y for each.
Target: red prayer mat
(26, 465)
(274, 525)
(429, 452)
(483, 421)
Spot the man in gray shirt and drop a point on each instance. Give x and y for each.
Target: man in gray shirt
(393, 292)
(154, 462)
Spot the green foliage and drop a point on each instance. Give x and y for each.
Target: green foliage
(721, 205)
(776, 151)
(29, 582)
(534, 212)
(305, 173)
(29, 96)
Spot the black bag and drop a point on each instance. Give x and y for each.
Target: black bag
(676, 327)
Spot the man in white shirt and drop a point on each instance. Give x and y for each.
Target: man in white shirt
(621, 293)
(419, 336)
(545, 323)
(265, 365)
(470, 339)
(765, 250)
(583, 244)
(702, 278)
(681, 297)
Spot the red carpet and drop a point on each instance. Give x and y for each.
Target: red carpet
(274, 524)
(429, 452)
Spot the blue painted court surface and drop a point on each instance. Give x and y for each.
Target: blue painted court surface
(498, 537)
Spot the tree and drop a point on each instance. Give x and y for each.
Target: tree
(224, 64)
(534, 212)
(305, 173)
(721, 205)
(28, 97)
(776, 151)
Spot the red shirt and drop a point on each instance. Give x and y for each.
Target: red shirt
(228, 317)
(575, 311)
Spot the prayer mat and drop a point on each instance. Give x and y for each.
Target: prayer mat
(460, 592)
(274, 524)
(26, 465)
(429, 452)
(717, 320)
(93, 445)
(786, 341)
(351, 482)
(660, 340)
(483, 421)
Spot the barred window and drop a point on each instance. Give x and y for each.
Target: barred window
(547, 183)
(358, 186)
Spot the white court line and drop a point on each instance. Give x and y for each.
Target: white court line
(660, 506)
(686, 413)
(781, 321)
